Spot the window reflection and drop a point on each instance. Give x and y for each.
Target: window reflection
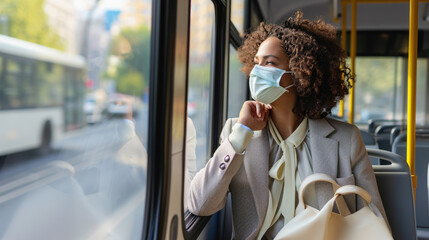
(202, 24)
(237, 84)
(198, 128)
(73, 118)
(237, 14)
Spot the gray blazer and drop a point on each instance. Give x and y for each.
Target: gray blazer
(336, 149)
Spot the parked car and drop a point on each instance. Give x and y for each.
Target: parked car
(93, 110)
(121, 105)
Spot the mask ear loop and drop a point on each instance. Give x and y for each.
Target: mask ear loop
(291, 84)
(289, 87)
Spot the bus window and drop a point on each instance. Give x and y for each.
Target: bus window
(421, 90)
(200, 54)
(237, 84)
(381, 89)
(74, 119)
(12, 81)
(378, 85)
(49, 84)
(237, 14)
(28, 84)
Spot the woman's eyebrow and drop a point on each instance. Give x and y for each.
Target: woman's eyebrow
(266, 56)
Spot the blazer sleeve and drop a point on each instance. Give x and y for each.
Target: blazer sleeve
(364, 173)
(209, 188)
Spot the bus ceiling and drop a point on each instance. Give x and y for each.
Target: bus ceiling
(368, 16)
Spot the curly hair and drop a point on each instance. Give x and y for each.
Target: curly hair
(316, 60)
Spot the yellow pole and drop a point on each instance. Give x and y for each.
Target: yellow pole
(343, 45)
(411, 107)
(352, 60)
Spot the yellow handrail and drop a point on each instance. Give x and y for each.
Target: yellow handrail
(352, 60)
(412, 71)
(412, 76)
(343, 45)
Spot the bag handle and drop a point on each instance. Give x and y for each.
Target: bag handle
(322, 177)
(316, 177)
(351, 189)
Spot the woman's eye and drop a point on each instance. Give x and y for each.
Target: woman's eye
(270, 63)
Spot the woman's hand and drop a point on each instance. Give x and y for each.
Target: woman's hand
(254, 115)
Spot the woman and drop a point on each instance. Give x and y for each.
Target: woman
(295, 77)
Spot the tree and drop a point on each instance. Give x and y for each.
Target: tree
(132, 45)
(131, 83)
(27, 21)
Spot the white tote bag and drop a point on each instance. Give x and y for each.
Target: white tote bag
(324, 224)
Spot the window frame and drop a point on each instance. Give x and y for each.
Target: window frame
(170, 31)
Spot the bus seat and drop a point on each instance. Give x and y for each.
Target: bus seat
(395, 187)
(227, 220)
(421, 164)
(374, 123)
(382, 135)
(423, 233)
(395, 133)
(370, 142)
(368, 138)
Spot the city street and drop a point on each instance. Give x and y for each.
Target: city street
(94, 177)
(82, 149)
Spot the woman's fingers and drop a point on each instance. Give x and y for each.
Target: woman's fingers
(266, 114)
(262, 110)
(254, 115)
(258, 110)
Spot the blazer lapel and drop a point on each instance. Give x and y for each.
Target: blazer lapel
(324, 152)
(256, 167)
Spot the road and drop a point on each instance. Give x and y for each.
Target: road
(94, 177)
(90, 145)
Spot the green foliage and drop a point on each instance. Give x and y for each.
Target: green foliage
(130, 83)
(199, 74)
(27, 21)
(132, 45)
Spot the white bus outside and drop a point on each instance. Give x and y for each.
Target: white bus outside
(41, 95)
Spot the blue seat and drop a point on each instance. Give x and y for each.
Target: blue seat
(421, 165)
(368, 138)
(395, 133)
(382, 136)
(374, 123)
(395, 187)
(369, 141)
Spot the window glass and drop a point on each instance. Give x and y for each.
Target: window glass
(74, 89)
(237, 85)
(237, 14)
(381, 89)
(12, 82)
(200, 54)
(28, 85)
(377, 80)
(2, 100)
(421, 90)
(50, 80)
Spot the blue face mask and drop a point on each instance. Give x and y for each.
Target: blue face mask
(264, 83)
